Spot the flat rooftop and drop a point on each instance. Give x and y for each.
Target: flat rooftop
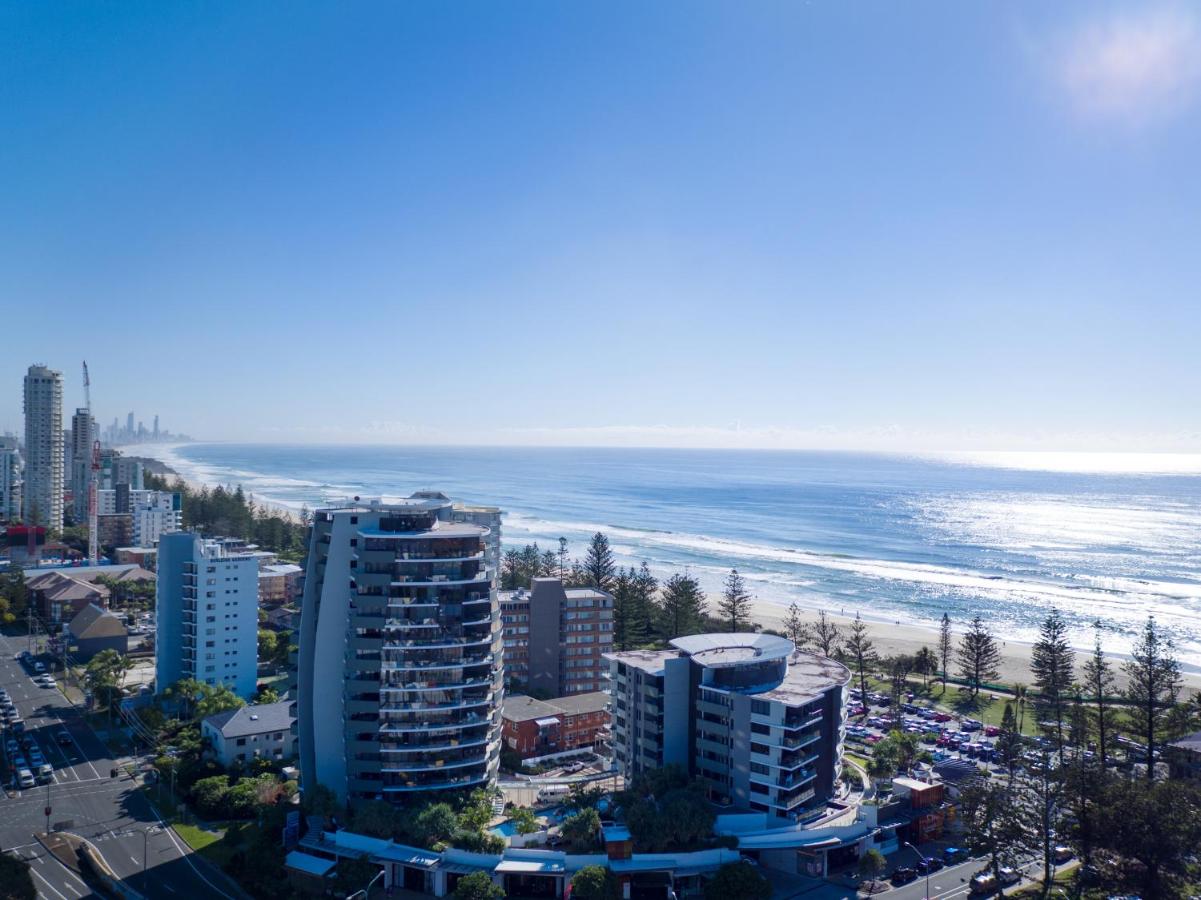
(719, 650)
(809, 676)
(647, 660)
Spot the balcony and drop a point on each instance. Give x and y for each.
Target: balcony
(435, 685)
(389, 710)
(431, 748)
(436, 664)
(458, 723)
(441, 764)
(438, 642)
(436, 784)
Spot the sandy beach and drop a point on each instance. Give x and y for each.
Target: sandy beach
(894, 639)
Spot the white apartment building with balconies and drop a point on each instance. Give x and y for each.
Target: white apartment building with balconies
(400, 672)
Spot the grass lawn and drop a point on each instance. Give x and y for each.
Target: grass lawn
(198, 838)
(982, 707)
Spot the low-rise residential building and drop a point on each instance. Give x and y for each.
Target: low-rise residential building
(59, 594)
(283, 618)
(257, 731)
(94, 629)
(556, 637)
(547, 728)
(114, 530)
(759, 724)
(146, 557)
(58, 597)
(279, 584)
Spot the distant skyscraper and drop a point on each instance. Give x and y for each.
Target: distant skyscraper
(83, 432)
(206, 611)
(156, 426)
(129, 425)
(399, 684)
(44, 447)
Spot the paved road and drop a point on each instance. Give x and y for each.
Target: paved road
(954, 881)
(107, 811)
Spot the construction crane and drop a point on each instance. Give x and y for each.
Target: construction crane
(93, 477)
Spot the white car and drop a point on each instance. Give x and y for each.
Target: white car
(25, 778)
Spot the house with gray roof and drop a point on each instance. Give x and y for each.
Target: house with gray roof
(256, 731)
(94, 629)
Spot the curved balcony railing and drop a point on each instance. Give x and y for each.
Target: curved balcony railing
(431, 748)
(433, 785)
(435, 664)
(417, 686)
(458, 723)
(440, 763)
(437, 642)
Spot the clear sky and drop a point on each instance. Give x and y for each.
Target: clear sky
(832, 224)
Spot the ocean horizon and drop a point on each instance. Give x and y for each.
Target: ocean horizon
(896, 537)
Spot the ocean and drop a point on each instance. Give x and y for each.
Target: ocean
(896, 538)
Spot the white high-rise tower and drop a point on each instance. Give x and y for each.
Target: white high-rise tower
(44, 447)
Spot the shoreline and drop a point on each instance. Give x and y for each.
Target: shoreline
(164, 470)
(895, 639)
(890, 637)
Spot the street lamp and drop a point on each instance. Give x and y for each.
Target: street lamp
(145, 833)
(922, 858)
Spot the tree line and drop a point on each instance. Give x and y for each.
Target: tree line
(229, 512)
(646, 610)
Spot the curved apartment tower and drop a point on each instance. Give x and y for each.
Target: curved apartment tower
(400, 676)
(760, 724)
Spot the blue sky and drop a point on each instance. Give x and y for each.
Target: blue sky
(911, 226)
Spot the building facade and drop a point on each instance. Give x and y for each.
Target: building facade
(539, 728)
(279, 584)
(83, 432)
(151, 513)
(206, 613)
(11, 484)
(399, 677)
(556, 638)
(44, 450)
(758, 723)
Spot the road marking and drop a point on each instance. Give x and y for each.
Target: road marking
(38, 876)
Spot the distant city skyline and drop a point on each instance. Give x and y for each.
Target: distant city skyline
(830, 226)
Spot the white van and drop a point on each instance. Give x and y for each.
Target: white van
(25, 778)
(554, 792)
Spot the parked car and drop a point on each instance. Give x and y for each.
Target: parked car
(45, 773)
(1009, 876)
(904, 875)
(25, 778)
(1063, 854)
(991, 730)
(38, 667)
(952, 855)
(929, 864)
(63, 738)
